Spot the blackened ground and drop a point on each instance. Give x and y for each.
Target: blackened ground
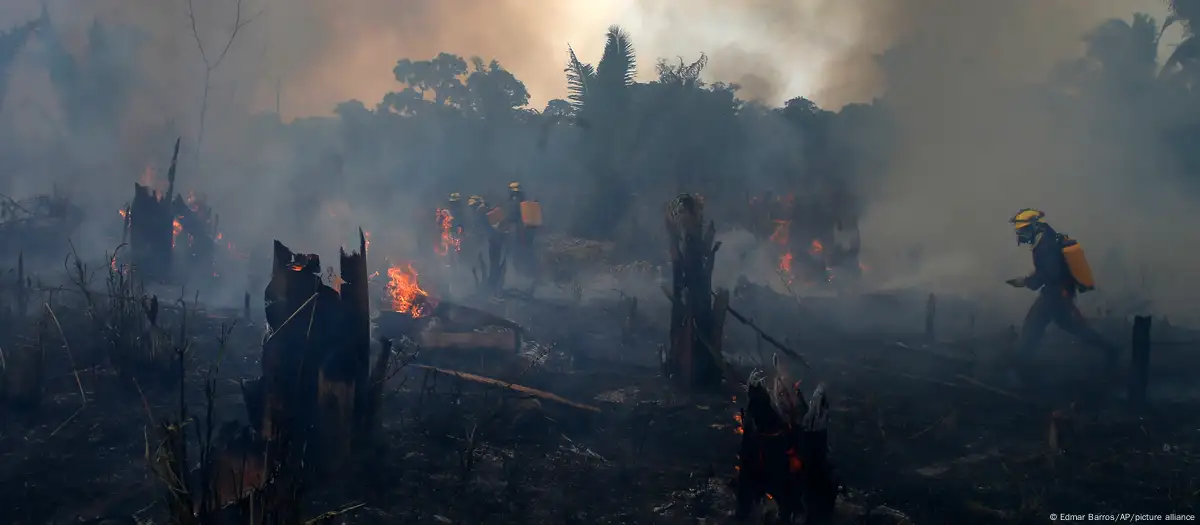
(932, 430)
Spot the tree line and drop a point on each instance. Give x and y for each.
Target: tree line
(617, 148)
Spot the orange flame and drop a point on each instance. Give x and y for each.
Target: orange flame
(449, 239)
(738, 429)
(406, 293)
(176, 229)
(367, 240)
(124, 214)
(785, 266)
(780, 237)
(816, 248)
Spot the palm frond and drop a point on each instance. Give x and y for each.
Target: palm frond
(619, 62)
(580, 77)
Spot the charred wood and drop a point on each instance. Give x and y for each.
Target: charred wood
(783, 455)
(303, 317)
(152, 226)
(693, 252)
(540, 394)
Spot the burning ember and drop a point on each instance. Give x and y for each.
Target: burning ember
(406, 293)
(450, 239)
(738, 428)
(816, 248)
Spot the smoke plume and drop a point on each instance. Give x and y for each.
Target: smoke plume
(976, 147)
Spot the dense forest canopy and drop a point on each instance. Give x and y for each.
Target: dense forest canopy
(611, 153)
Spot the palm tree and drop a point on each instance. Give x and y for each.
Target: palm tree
(1125, 54)
(600, 100)
(592, 88)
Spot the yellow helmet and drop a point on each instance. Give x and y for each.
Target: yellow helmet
(474, 200)
(514, 186)
(1028, 225)
(1026, 217)
(455, 197)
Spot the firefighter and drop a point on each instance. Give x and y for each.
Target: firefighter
(454, 206)
(522, 237)
(515, 194)
(1057, 284)
(477, 215)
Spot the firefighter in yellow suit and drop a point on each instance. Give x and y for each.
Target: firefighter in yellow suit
(1057, 282)
(522, 237)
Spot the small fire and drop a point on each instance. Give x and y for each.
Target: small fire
(406, 293)
(176, 229)
(124, 214)
(367, 240)
(816, 248)
(780, 237)
(738, 427)
(449, 239)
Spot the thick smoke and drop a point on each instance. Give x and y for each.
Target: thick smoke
(976, 146)
(979, 140)
(976, 141)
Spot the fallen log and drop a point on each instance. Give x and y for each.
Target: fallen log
(540, 394)
(466, 318)
(501, 341)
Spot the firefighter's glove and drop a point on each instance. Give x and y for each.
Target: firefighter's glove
(1019, 282)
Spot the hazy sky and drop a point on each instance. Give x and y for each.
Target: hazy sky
(775, 48)
(323, 52)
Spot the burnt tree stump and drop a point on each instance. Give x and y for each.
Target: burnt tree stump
(784, 454)
(695, 336)
(315, 381)
(151, 226)
(195, 242)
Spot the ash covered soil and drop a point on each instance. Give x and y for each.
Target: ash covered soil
(926, 432)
